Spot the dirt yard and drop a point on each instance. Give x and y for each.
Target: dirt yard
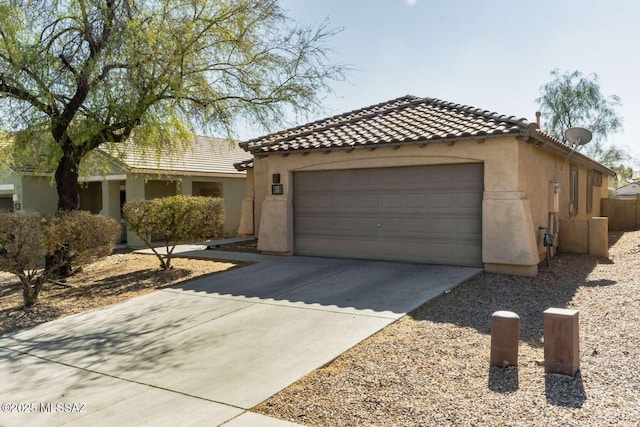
(110, 280)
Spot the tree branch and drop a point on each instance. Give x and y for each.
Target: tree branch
(83, 87)
(26, 96)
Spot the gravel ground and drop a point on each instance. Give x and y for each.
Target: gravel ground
(432, 366)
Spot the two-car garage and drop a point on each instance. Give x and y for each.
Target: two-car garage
(426, 214)
(413, 179)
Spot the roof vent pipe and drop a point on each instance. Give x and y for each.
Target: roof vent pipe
(538, 119)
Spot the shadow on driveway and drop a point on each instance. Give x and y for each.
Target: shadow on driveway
(381, 287)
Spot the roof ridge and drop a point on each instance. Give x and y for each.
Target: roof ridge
(519, 121)
(310, 127)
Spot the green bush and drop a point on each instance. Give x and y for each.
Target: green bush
(176, 219)
(26, 240)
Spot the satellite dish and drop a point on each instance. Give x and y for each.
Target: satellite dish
(577, 136)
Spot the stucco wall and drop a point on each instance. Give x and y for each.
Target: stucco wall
(232, 190)
(247, 226)
(499, 157)
(110, 204)
(574, 236)
(538, 166)
(38, 194)
(91, 197)
(622, 214)
(156, 188)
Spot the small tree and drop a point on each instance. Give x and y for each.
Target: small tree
(573, 99)
(27, 239)
(624, 172)
(176, 219)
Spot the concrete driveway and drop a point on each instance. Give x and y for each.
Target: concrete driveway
(206, 352)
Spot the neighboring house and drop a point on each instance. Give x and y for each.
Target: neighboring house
(7, 186)
(629, 191)
(419, 180)
(204, 169)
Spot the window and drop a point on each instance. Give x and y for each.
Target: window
(589, 191)
(597, 178)
(573, 190)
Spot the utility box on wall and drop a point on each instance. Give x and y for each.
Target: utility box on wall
(554, 197)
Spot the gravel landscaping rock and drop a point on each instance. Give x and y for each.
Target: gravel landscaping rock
(432, 366)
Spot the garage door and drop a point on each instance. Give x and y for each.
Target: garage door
(426, 214)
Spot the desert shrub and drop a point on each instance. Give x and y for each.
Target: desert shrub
(176, 219)
(27, 239)
(86, 235)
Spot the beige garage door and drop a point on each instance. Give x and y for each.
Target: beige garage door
(426, 214)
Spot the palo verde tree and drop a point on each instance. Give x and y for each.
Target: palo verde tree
(573, 99)
(75, 74)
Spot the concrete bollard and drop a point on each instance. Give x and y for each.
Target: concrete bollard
(599, 236)
(505, 334)
(561, 341)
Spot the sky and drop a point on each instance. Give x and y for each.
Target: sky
(492, 54)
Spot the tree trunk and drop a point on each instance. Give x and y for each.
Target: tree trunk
(31, 289)
(68, 200)
(29, 296)
(67, 180)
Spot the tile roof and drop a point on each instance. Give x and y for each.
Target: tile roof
(205, 155)
(408, 119)
(40, 166)
(244, 165)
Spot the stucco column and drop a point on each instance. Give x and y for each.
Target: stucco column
(599, 237)
(134, 191)
(508, 237)
(246, 214)
(111, 200)
(261, 189)
(276, 226)
(186, 186)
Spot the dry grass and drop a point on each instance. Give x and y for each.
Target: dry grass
(113, 279)
(432, 366)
